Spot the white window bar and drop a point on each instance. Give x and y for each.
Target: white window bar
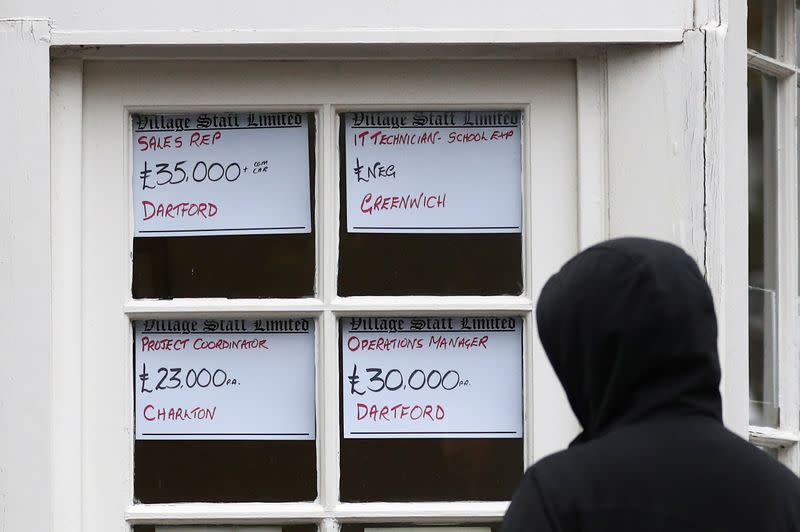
(327, 308)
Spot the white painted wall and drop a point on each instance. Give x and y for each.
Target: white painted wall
(678, 167)
(155, 21)
(655, 129)
(25, 392)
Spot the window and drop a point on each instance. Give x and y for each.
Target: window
(234, 260)
(167, 315)
(774, 313)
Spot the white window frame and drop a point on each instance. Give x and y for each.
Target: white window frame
(79, 452)
(784, 69)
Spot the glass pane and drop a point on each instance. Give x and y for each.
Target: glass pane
(224, 410)
(763, 359)
(436, 209)
(247, 255)
(431, 408)
(762, 155)
(761, 22)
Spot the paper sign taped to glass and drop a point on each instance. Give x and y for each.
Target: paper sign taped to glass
(433, 171)
(220, 174)
(224, 379)
(442, 377)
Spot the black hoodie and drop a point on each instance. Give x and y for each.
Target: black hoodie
(630, 330)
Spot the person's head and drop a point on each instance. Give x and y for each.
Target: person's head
(630, 329)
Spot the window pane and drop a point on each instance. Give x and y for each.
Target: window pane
(431, 408)
(224, 410)
(762, 206)
(763, 358)
(761, 23)
(436, 209)
(250, 254)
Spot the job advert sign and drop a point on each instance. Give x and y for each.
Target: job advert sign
(442, 377)
(220, 174)
(433, 171)
(224, 379)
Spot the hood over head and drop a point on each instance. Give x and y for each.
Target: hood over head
(630, 329)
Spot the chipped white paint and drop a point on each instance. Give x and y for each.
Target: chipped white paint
(726, 272)
(708, 13)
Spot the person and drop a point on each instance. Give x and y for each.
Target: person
(630, 330)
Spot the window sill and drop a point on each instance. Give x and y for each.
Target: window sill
(773, 438)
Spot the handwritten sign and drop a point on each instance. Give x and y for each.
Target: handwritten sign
(456, 377)
(220, 173)
(224, 379)
(433, 172)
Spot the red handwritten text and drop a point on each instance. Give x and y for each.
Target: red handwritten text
(165, 142)
(399, 411)
(178, 210)
(370, 205)
(457, 342)
(151, 413)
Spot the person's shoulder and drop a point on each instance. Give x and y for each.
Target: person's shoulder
(579, 456)
(646, 462)
(758, 466)
(564, 475)
(743, 457)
